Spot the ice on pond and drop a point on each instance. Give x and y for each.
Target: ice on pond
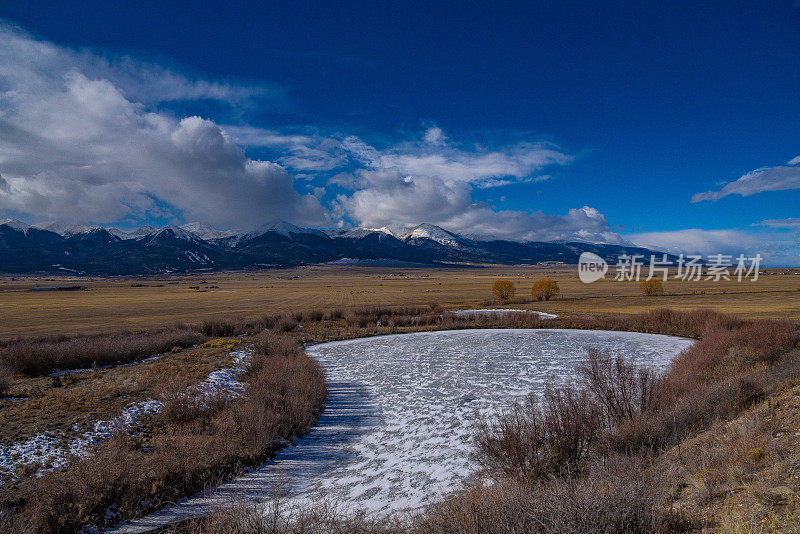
(429, 388)
(501, 311)
(397, 429)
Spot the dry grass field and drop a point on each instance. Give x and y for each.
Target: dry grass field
(147, 302)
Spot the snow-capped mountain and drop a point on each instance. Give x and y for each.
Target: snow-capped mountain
(97, 250)
(285, 229)
(136, 233)
(65, 229)
(15, 225)
(359, 233)
(434, 233)
(203, 231)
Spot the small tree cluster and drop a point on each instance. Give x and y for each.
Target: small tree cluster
(545, 289)
(653, 286)
(504, 289)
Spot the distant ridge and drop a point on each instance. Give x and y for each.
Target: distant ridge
(87, 249)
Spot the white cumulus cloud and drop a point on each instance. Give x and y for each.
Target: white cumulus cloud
(78, 142)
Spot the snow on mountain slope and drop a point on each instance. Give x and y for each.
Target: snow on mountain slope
(203, 231)
(358, 233)
(174, 232)
(432, 232)
(136, 233)
(285, 229)
(15, 224)
(66, 229)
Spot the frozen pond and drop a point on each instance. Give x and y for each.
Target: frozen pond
(397, 428)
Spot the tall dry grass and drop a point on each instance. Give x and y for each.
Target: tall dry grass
(38, 357)
(5, 379)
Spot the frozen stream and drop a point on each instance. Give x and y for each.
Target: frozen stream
(396, 431)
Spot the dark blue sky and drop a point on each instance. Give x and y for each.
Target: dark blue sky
(658, 101)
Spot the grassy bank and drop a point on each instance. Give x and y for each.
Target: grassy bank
(197, 440)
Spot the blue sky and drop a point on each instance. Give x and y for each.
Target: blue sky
(529, 120)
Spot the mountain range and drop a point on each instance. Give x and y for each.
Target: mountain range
(85, 249)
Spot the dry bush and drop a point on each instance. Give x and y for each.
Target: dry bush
(620, 388)
(503, 289)
(221, 327)
(5, 379)
(763, 342)
(694, 324)
(285, 323)
(364, 316)
(268, 344)
(535, 440)
(545, 289)
(313, 315)
(195, 405)
(41, 357)
(452, 321)
(276, 517)
(652, 286)
(615, 497)
(618, 497)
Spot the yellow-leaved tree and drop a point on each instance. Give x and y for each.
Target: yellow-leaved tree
(651, 287)
(545, 289)
(503, 289)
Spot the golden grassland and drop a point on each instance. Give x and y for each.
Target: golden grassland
(147, 302)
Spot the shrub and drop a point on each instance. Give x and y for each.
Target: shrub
(652, 286)
(270, 344)
(5, 380)
(545, 289)
(534, 440)
(621, 389)
(220, 328)
(616, 496)
(503, 289)
(313, 315)
(285, 324)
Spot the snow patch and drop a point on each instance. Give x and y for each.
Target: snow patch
(501, 311)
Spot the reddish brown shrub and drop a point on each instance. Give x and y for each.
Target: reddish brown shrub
(221, 327)
(5, 379)
(616, 497)
(621, 389)
(534, 440)
(285, 323)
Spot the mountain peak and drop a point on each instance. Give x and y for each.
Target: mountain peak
(285, 229)
(206, 232)
(432, 232)
(67, 229)
(15, 224)
(382, 229)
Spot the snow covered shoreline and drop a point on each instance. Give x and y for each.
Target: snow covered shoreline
(53, 450)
